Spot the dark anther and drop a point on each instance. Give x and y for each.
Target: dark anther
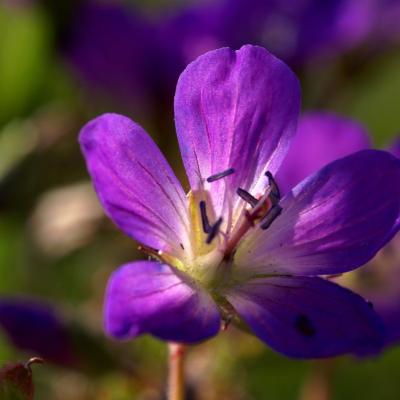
(220, 175)
(370, 304)
(182, 246)
(272, 214)
(204, 219)
(214, 231)
(274, 187)
(247, 197)
(304, 325)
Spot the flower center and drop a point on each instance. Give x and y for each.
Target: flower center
(213, 248)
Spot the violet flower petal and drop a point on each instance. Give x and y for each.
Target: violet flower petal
(395, 147)
(389, 310)
(306, 317)
(235, 109)
(395, 150)
(134, 182)
(149, 297)
(332, 222)
(321, 138)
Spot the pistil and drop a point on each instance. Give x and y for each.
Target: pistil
(251, 216)
(265, 209)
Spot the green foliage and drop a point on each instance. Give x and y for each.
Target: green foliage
(25, 39)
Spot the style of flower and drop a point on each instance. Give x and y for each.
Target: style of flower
(232, 249)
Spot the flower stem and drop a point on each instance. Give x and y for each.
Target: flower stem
(176, 382)
(318, 382)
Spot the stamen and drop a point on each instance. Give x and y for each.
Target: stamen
(220, 175)
(247, 197)
(273, 213)
(214, 231)
(204, 219)
(276, 194)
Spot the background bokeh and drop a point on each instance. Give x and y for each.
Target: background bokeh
(64, 62)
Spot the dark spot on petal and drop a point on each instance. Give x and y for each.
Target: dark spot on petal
(304, 325)
(370, 304)
(182, 246)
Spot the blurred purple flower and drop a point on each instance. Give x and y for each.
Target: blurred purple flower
(111, 47)
(386, 26)
(321, 138)
(119, 50)
(188, 32)
(300, 31)
(36, 327)
(232, 248)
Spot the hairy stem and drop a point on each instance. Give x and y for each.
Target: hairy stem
(176, 381)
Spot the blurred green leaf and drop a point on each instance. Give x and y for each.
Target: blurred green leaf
(373, 378)
(17, 140)
(11, 254)
(24, 54)
(373, 98)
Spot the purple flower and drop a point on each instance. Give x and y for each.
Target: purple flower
(232, 249)
(103, 47)
(108, 48)
(34, 326)
(302, 30)
(321, 138)
(379, 280)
